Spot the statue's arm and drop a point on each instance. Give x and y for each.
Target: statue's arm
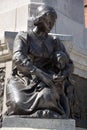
(20, 54)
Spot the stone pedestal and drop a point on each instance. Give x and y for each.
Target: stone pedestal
(14, 123)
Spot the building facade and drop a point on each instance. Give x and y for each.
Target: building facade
(85, 12)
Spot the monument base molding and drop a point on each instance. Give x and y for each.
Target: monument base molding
(14, 123)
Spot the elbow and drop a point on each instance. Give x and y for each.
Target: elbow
(16, 59)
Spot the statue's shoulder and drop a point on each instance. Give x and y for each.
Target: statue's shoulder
(22, 35)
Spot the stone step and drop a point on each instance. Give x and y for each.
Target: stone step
(16, 123)
(31, 129)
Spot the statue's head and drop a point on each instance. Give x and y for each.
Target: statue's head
(45, 18)
(61, 59)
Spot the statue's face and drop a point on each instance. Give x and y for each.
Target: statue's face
(48, 21)
(45, 22)
(61, 60)
(61, 63)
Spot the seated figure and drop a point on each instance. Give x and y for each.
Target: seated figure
(41, 66)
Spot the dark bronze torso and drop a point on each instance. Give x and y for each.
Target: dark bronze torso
(40, 50)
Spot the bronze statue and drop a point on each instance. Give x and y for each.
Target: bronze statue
(41, 69)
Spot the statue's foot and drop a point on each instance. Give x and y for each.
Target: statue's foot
(49, 114)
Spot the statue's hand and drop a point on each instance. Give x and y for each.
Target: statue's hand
(46, 78)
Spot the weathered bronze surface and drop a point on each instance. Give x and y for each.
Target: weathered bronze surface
(41, 72)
